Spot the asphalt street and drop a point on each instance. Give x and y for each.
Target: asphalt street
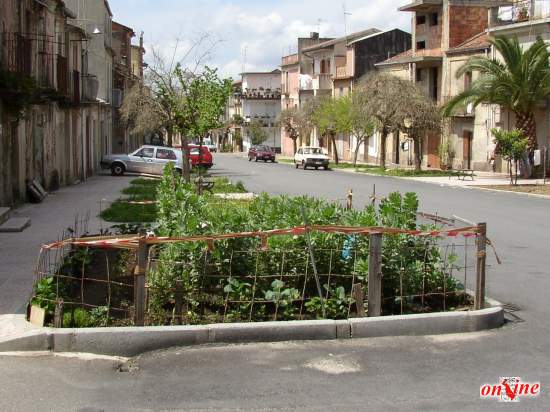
(390, 374)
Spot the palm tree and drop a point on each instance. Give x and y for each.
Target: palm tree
(517, 83)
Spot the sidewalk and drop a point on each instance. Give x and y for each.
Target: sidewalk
(19, 251)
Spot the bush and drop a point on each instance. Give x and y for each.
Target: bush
(236, 270)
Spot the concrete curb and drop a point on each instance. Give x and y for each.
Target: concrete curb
(131, 341)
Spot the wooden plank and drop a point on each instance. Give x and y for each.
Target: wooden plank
(480, 267)
(357, 295)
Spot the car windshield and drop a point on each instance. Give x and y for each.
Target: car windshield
(313, 150)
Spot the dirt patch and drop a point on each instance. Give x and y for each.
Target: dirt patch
(535, 189)
(334, 365)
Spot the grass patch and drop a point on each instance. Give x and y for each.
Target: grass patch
(534, 189)
(224, 185)
(124, 212)
(146, 190)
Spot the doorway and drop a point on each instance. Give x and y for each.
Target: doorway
(467, 137)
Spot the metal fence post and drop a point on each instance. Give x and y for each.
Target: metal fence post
(375, 275)
(479, 302)
(139, 280)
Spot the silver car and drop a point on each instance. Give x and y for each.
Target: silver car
(147, 160)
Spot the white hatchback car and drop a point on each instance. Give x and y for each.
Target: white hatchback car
(311, 157)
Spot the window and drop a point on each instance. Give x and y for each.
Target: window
(418, 75)
(434, 19)
(145, 152)
(420, 20)
(467, 80)
(194, 151)
(420, 45)
(341, 91)
(166, 154)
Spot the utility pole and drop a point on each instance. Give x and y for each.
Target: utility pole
(346, 14)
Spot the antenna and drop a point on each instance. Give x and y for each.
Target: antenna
(245, 47)
(319, 26)
(346, 14)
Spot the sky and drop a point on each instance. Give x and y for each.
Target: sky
(254, 35)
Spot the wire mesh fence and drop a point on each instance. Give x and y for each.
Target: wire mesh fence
(250, 277)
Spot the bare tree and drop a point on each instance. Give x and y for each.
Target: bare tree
(384, 99)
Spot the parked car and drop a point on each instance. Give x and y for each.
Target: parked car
(147, 159)
(311, 157)
(261, 152)
(206, 160)
(210, 144)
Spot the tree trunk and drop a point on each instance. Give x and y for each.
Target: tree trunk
(527, 123)
(335, 150)
(417, 154)
(383, 139)
(294, 146)
(170, 135)
(356, 152)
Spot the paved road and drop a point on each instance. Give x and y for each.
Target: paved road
(409, 373)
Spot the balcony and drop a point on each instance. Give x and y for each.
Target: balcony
(90, 87)
(342, 73)
(322, 81)
(290, 59)
(461, 111)
(520, 11)
(261, 94)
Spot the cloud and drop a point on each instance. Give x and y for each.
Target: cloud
(267, 29)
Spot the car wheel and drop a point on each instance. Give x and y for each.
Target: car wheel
(316, 167)
(296, 164)
(179, 171)
(255, 159)
(249, 158)
(117, 169)
(325, 167)
(304, 166)
(265, 160)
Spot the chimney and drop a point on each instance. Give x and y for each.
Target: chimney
(314, 35)
(141, 40)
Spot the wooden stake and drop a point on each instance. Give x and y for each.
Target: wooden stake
(375, 275)
(178, 296)
(58, 314)
(357, 294)
(479, 302)
(139, 280)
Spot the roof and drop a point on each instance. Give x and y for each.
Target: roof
(129, 29)
(407, 57)
(420, 5)
(346, 39)
(276, 71)
(379, 33)
(478, 42)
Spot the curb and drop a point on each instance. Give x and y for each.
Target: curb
(131, 341)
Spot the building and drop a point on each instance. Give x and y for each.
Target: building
(296, 69)
(230, 137)
(526, 20)
(94, 17)
(261, 102)
(40, 96)
(445, 34)
(331, 67)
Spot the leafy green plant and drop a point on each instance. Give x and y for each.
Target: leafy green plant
(45, 294)
(283, 297)
(512, 146)
(336, 305)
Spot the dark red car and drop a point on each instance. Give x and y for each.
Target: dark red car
(206, 161)
(261, 152)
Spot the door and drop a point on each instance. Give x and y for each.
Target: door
(433, 155)
(140, 161)
(162, 158)
(467, 137)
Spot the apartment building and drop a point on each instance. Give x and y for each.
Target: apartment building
(446, 33)
(56, 92)
(261, 102)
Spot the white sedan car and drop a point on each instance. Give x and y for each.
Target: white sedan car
(311, 157)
